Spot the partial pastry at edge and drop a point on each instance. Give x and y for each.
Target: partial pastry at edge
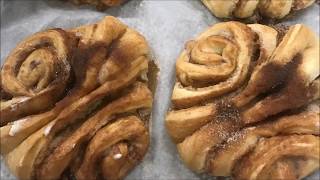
(273, 9)
(98, 116)
(246, 102)
(99, 4)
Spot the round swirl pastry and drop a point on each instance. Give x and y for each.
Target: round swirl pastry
(246, 102)
(100, 4)
(274, 9)
(35, 74)
(76, 103)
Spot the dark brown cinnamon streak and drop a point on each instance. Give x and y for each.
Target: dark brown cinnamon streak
(92, 120)
(241, 9)
(246, 103)
(100, 4)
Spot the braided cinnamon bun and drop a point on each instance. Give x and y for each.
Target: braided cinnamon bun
(246, 102)
(92, 89)
(275, 9)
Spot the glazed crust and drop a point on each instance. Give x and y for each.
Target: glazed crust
(99, 120)
(245, 103)
(247, 8)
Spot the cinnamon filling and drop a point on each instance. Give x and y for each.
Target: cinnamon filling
(93, 95)
(259, 129)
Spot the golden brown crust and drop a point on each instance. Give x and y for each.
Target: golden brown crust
(223, 160)
(60, 157)
(126, 129)
(214, 64)
(281, 150)
(231, 133)
(299, 62)
(36, 73)
(100, 4)
(101, 112)
(274, 9)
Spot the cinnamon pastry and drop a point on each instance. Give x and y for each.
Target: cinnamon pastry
(76, 103)
(274, 9)
(35, 74)
(100, 4)
(246, 102)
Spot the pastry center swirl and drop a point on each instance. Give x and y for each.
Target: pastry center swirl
(37, 71)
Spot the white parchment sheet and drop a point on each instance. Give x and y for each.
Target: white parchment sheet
(166, 24)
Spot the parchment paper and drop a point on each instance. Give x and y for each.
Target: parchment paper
(167, 25)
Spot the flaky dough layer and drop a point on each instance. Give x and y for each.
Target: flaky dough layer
(77, 103)
(246, 102)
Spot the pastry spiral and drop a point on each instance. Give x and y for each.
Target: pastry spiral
(35, 74)
(215, 63)
(259, 123)
(97, 127)
(274, 9)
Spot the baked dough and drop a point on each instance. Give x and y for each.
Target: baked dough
(100, 4)
(77, 103)
(245, 102)
(275, 9)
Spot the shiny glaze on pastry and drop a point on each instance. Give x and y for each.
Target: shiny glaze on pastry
(245, 102)
(77, 103)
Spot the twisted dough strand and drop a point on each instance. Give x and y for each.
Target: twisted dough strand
(56, 163)
(88, 65)
(108, 95)
(226, 45)
(128, 129)
(222, 161)
(259, 130)
(280, 150)
(246, 8)
(36, 73)
(301, 83)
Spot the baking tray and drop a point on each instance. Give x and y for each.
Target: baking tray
(166, 24)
